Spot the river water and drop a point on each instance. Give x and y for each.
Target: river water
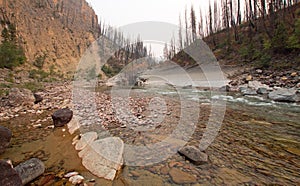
(258, 143)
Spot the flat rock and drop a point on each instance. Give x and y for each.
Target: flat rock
(62, 117)
(5, 137)
(9, 176)
(180, 177)
(194, 154)
(103, 157)
(85, 140)
(284, 95)
(249, 92)
(232, 177)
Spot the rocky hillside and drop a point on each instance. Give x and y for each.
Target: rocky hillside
(53, 32)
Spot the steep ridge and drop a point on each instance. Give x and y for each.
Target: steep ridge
(59, 30)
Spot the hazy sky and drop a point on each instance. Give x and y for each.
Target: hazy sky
(119, 13)
(122, 12)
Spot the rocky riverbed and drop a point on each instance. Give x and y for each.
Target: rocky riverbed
(257, 144)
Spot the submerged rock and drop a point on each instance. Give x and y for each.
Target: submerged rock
(5, 137)
(284, 95)
(85, 140)
(30, 170)
(180, 177)
(195, 155)
(103, 157)
(62, 117)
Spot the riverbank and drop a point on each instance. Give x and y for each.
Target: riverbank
(257, 144)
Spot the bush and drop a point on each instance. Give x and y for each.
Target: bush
(33, 86)
(11, 55)
(108, 71)
(40, 61)
(39, 75)
(4, 92)
(264, 61)
(294, 40)
(279, 40)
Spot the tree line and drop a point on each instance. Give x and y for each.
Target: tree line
(239, 21)
(127, 49)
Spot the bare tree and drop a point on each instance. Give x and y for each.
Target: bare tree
(180, 35)
(193, 24)
(186, 43)
(200, 26)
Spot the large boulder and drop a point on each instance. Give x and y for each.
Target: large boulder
(8, 175)
(5, 136)
(62, 117)
(284, 95)
(103, 158)
(194, 155)
(17, 97)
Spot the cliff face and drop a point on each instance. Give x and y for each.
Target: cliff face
(61, 30)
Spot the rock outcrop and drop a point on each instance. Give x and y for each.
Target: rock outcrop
(60, 30)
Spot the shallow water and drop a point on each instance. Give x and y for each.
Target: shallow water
(258, 144)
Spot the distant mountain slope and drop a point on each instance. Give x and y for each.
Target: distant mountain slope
(57, 30)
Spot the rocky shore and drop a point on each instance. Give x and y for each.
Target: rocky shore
(277, 86)
(232, 158)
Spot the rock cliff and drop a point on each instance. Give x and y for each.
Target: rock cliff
(60, 30)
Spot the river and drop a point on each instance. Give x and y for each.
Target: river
(258, 142)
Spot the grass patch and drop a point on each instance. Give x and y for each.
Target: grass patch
(33, 86)
(3, 92)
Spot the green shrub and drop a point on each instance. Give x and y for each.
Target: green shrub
(108, 71)
(4, 92)
(11, 55)
(279, 39)
(40, 61)
(294, 40)
(264, 61)
(33, 86)
(4, 85)
(39, 75)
